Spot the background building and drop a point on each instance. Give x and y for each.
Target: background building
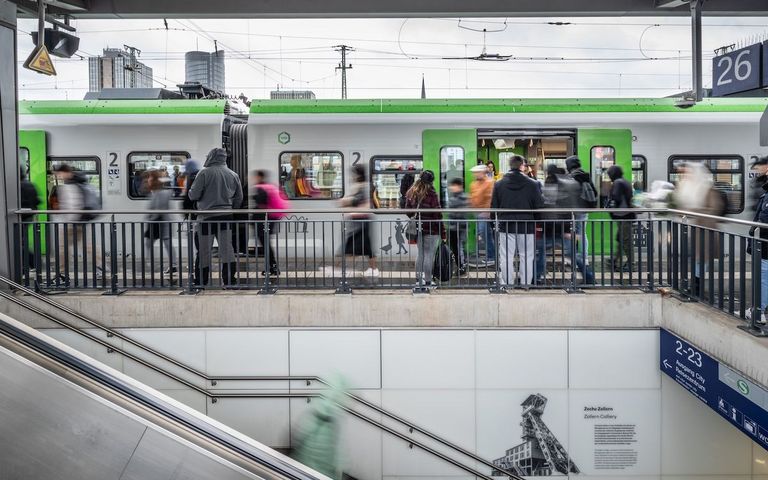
(205, 68)
(117, 68)
(292, 95)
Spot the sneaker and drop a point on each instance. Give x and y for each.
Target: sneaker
(371, 273)
(273, 272)
(748, 316)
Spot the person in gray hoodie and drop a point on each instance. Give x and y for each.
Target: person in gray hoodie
(216, 187)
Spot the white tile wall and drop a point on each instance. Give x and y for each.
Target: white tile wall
(354, 355)
(89, 347)
(186, 345)
(613, 359)
(501, 353)
(247, 352)
(263, 419)
(424, 359)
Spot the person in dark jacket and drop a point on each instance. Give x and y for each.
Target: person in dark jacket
(588, 199)
(191, 169)
(422, 195)
(216, 187)
(516, 191)
(29, 199)
(761, 215)
(621, 197)
(457, 222)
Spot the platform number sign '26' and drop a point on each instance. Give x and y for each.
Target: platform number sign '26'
(738, 71)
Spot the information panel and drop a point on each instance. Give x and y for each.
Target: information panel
(735, 398)
(737, 71)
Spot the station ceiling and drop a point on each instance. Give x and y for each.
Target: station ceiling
(393, 8)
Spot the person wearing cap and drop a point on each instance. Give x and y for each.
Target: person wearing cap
(480, 197)
(759, 171)
(761, 215)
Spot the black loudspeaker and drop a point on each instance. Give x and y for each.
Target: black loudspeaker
(59, 42)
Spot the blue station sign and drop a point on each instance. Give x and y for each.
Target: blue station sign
(734, 397)
(738, 71)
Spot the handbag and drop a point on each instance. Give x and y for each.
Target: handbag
(412, 227)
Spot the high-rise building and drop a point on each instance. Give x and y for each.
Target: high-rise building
(117, 68)
(292, 95)
(205, 68)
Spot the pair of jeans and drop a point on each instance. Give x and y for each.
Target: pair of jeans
(524, 244)
(425, 259)
(763, 284)
(581, 232)
(486, 230)
(170, 258)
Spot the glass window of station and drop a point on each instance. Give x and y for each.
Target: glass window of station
(170, 164)
(451, 166)
(391, 177)
(312, 175)
(727, 175)
(88, 166)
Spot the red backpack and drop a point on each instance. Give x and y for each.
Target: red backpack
(276, 200)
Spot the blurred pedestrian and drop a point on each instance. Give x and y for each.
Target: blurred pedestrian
(457, 223)
(358, 234)
(158, 225)
(266, 196)
(480, 192)
(30, 200)
(621, 198)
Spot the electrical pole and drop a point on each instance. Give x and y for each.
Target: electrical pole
(133, 66)
(343, 67)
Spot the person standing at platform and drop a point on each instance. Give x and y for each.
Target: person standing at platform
(216, 187)
(266, 196)
(516, 191)
(158, 226)
(422, 195)
(621, 198)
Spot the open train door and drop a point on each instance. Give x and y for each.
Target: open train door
(598, 150)
(33, 152)
(450, 153)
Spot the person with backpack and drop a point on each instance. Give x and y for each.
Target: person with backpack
(588, 198)
(421, 196)
(158, 224)
(358, 235)
(621, 197)
(74, 193)
(216, 187)
(266, 196)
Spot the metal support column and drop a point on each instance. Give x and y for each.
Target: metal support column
(697, 86)
(9, 162)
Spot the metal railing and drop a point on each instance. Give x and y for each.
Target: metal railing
(710, 259)
(213, 380)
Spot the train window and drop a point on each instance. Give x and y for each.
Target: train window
(24, 160)
(139, 163)
(727, 175)
(88, 166)
(312, 175)
(639, 173)
(451, 166)
(391, 176)
(602, 158)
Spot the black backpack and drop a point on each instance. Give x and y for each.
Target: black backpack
(442, 268)
(91, 201)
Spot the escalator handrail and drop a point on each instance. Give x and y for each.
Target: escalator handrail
(38, 343)
(213, 379)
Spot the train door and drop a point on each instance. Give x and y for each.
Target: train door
(32, 157)
(598, 150)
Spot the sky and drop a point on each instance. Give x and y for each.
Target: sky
(586, 57)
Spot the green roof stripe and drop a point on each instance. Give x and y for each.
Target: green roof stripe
(504, 106)
(142, 107)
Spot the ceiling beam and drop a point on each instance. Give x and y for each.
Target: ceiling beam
(399, 8)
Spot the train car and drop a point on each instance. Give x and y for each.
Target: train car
(114, 142)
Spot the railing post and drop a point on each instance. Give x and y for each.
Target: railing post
(498, 286)
(267, 289)
(754, 326)
(113, 290)
(344, 287)
(649, 243)
(193, 274)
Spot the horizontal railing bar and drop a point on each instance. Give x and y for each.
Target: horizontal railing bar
(26, 211)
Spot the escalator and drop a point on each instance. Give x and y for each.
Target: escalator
(66, 416)
(354, 406)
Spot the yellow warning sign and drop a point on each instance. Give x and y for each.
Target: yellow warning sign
(40, 61)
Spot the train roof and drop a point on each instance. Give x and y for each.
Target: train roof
(112, 107)
(479, 106)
